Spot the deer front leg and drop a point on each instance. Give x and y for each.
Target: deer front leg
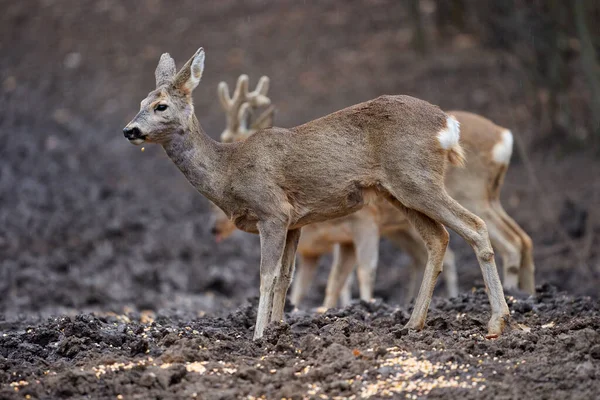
(272, 242)
(366, 241)
(450, 274)
(307, 266)
(507, 243)
(346, 293)
(436, 238)
(527, 268)
(285, 276)
(344, 259)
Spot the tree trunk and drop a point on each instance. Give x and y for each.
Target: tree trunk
(419, 39)
(589, 62)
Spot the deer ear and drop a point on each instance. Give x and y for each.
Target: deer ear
(165, 71)
(189, 76)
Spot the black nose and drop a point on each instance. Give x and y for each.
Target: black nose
(131, 133)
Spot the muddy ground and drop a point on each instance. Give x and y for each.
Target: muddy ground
(110, 283)
(551, 351)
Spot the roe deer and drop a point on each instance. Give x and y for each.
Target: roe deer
(359, 231)
(477, 187)
(279, 180)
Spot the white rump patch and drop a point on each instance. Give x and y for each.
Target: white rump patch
(450, 135)
(503, 149)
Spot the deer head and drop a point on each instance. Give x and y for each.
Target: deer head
(169, 107)
(240, 107)
(221, 226)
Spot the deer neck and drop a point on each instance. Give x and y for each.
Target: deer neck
(199, 158)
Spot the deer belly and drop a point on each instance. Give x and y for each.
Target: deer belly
(320, 238)
(246, 224)
(330, 207)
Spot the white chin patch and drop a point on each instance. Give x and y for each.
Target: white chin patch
(136, 141)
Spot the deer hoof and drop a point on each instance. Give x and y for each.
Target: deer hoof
(496, 325)
(414, 325)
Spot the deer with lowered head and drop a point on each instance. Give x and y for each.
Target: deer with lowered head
(357, 234)
(279, 180)
(477, 186)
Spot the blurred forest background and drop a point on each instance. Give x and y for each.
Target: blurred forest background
(88, 222)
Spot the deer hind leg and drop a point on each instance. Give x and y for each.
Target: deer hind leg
(307, 267)
(526, 273)
(366, 242)
(346, 292)
(436, 239)
(447, 211)
(413, 280)
(527, 267)
(508, 244)
(272, 243)
(409, 241)
(415, 247)
(344, 259)
(450, 274)
(284, 278)
(433, 201)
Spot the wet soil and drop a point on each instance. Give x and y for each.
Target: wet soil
(551, 350)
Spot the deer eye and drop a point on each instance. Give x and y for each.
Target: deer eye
(160, 107)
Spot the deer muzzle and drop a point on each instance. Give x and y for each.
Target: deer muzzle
(134, 135)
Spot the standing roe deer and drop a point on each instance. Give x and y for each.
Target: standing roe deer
(358, 232)
(279, 180)
(477, 187)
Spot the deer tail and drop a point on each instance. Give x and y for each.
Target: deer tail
(449, 139)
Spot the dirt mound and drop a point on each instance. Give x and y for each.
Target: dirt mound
(551, 351)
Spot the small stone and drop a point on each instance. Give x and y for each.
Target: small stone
(385, 371)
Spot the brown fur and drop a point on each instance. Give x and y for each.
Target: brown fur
(456, 156)
(477, 187)
(279, 180)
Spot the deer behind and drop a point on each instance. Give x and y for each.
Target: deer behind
(358, 234)
(477, 187)
(278, 180)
